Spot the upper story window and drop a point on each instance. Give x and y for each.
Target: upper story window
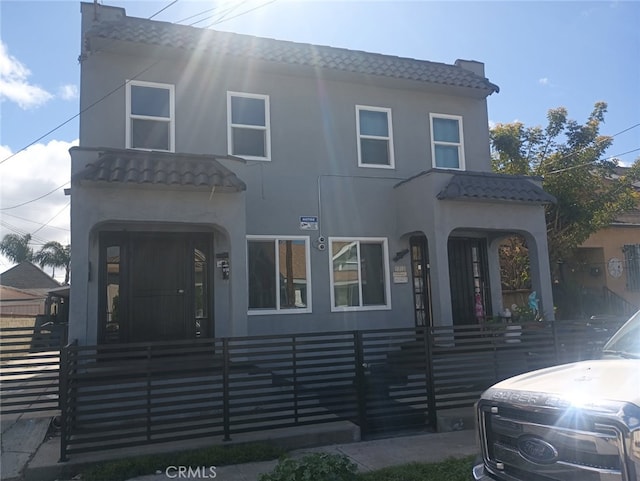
(248, 131)
(359, 274)
(447, 148)
(150, 116)
(375, 140)
(278, 272)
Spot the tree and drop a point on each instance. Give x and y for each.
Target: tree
(569, 158)
(54, 254)
(16, 248)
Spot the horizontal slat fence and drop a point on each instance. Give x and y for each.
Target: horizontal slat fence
(29, 362)
(382, 380)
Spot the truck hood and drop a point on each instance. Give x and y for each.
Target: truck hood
(583, 382)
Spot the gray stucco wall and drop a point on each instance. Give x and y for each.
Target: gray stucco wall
(313, 172)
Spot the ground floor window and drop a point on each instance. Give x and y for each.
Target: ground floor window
(278, 274)
(359, 273)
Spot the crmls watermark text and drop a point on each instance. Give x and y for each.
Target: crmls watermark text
(186, 472)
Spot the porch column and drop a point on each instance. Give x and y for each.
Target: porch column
(541, 273)
(440, 283)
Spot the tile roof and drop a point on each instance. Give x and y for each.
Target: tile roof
(153, 32)
(162, 168)
(27, 276)
(490, 186)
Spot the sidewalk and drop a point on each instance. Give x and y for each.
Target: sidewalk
(367, 455)
(28, 454)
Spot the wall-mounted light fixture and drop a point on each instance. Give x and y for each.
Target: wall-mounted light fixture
(400, 254)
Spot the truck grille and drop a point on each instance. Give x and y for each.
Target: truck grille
(549, 444)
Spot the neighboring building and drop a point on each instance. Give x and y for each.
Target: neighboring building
(230, 185)
(24, 290)
(606, 267)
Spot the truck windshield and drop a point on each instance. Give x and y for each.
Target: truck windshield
(625, 342)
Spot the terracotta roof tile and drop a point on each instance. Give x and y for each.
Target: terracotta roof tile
(153, 32)
(490, 186)
(162, 168)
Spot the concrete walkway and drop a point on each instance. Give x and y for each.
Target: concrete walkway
(29, 455)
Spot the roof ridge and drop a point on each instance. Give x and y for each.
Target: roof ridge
(154, 32)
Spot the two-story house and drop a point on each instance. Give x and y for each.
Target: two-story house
(228, 185)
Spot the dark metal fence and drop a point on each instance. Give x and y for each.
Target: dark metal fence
(383, 380)
(29, 368)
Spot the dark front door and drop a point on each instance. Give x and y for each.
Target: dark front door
(158, 310)
(156, 286)
(469, 283)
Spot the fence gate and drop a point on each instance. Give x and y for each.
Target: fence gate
(29, 362)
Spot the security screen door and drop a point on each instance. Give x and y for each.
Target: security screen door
(158, 289)
(155, 286)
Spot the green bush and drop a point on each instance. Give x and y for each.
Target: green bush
(313, 467)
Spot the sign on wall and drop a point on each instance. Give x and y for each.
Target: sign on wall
(308, 222)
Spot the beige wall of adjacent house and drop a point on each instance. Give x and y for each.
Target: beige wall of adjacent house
(609, 242)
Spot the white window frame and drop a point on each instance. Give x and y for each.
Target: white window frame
(385, 252)
(266, 128)
(307, 251)
(388, 138)
(459, 145)
(130, 116)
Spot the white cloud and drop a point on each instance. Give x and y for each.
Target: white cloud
(14, 85)
(28, 175)
(68, 92)
(544, 81)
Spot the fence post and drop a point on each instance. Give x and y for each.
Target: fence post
(361, 383)
(225, 389)
(294, 355)
(63, 398)
(556, 341)
(430, 384)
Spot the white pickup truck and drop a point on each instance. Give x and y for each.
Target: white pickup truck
(573, 422)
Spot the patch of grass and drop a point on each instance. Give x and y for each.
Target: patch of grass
(448, 470)
(212, 456)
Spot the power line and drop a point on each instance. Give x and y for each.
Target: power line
(115, 89)
(589, 163)
(37, 198)
(50, 220)
(163, 9)
(35, 222)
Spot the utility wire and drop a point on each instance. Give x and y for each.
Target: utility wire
(163, 9)
(37, 198)
(50, 220)
(112, 91)
(33, 221)
(589, 163)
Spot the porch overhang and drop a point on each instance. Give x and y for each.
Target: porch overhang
(486, 186)
(126, 166)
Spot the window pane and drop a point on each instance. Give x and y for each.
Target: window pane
(113, 321)
(150, 101)
(374, 151)
(200, 286)
(373, 122)
(249, 142)
(345, 274)
(149, 134)
(447, 156)
(292, 274)
(372, 274)
(446, 130)
(262, 268)
(248, 111)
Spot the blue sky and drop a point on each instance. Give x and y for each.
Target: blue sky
(542, 55)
